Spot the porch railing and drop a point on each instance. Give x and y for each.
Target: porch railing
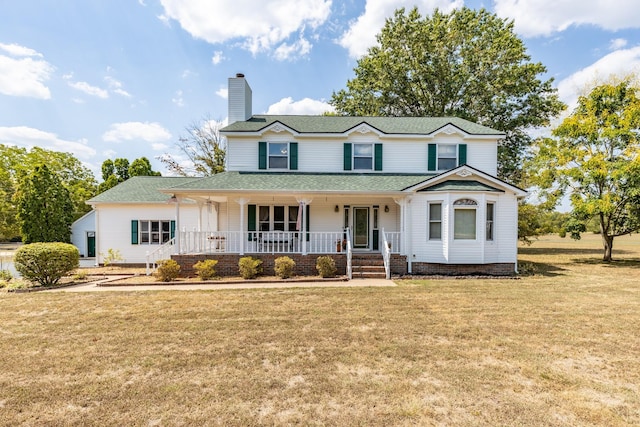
(393, 239)
(322, 242)
(161, 252)
(386, 255)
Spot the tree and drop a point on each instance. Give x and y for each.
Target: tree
(468, 64)
(203, 148)
(594, 156)
(45, 209)
(17, 163)
(119, 170)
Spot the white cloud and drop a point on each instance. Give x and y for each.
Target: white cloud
(217, 57)
(150, 132)
(178, 99)
(89, 90)
(110, 154)
(25, 75)
(545, 17)
(616, 44)
(304, 106)
(362, 32)
(17, 50)
(116, 87)
(287, 51)
(28, 137)
(223, 92)
(621, 63)
(158, 146)
(260, 26)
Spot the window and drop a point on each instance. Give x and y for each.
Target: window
(490, 210)
(464, 219)
(154, 232)
(278, 155)
(277, 218)
(443, 157)
(435, 221)
(447, 157)
(363, 156)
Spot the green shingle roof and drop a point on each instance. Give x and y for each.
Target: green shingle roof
(456, 185)
(342, 124)
(140, 189)
(304, 182)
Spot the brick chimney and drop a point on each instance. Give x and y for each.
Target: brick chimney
(239, 99)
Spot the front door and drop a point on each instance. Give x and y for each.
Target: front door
(91, 244)
(361, 228)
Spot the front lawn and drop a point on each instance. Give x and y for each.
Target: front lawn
(559, 347)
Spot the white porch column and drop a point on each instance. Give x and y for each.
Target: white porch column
(408, 233)
(403, 239)
(303, 203)
(242, 202)
(178, 246)
(97, 242)
(200, 216)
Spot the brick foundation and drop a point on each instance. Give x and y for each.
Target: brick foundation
(501, 269)
(228, 263)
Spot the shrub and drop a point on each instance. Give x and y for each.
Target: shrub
(284, 267)
(326, 266)
(112, 256)
(80, 275)
(167, 270)
(46, 263)
(249, 267)
(5, 275)
(206, 270)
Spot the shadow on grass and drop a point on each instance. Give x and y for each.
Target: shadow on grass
(528, 269)
(616, 263)
(528, 250)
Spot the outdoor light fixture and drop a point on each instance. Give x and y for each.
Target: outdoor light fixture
(386, 208)
(337, 208)
(173, 199)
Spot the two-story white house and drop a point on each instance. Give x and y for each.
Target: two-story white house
(419, 193)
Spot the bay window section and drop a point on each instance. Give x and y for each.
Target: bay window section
(464, 219)
(435, 221)
(490, 213)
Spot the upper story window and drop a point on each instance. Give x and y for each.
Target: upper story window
(278, 155)
(363, 157)
(444, 157)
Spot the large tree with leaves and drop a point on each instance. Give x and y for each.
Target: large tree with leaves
(468, 64)
(45, 209)
(119, 170)
(18, 162)
(594, 156)
(203, 149)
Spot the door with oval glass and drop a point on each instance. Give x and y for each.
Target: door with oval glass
(361, 228)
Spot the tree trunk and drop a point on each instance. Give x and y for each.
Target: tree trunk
(607, 241)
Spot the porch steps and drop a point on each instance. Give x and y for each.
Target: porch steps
(367, 266)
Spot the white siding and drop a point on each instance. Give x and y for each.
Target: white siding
(114, 227)
(79, 230)
(327, 154)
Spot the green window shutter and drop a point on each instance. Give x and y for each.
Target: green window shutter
(134, 231)
(172, 229)
(347, 156)
(293, 156)
(262, 155)
(307, 221)
(462, 154)
(377, 163)
(432, 157)
(251, 221)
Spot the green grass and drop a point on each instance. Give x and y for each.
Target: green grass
(558, 347)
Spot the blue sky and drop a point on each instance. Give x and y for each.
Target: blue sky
(123, 78)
